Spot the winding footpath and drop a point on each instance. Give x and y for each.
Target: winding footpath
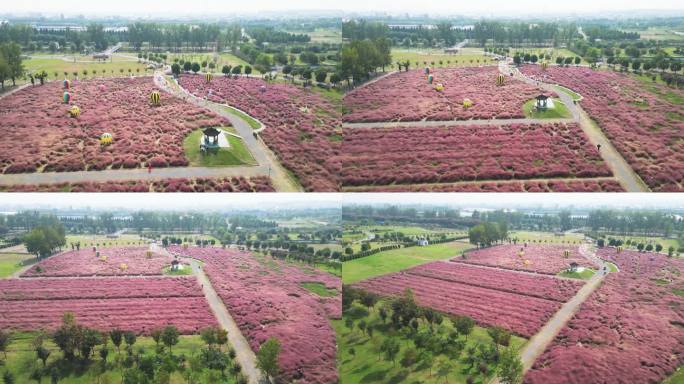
(243, 352)
(267, 164)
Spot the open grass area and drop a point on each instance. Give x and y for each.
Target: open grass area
(575, 96)
(399, 259)
(21, 361)
(406, 230)
(676, 378)
(249, 119)
(468, 57)
(559, 111)
(12, 262)
(52, 64)
(237, 154)
(320, 289)
(185, 271)
(362, 361)
(546, 237)
(321, 35)
(658, 33)
(104, 241)
(586, 274)
(612, 267)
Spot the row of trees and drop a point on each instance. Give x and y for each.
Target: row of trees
(46, 239)
(487, 233)
(79, 345)
(360, 58)
(427, 337)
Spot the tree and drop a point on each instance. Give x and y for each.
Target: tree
(427, 358)
(391, 348)
(175, 69)
(117, 337)
(510, 367)
(410, 358)
(195, 67)
(517, 59)
(464, 325)
(43, 353)
(578, 60)
(670, 251)
(170, 336)
(43, 241)
(12, 56)
(658, 247)
(5, 339)
(444, 370)
(8, 377)
(267, 357)
(248, 70)
(321, 75)
(226, 70)
(208, 335)
(4, 70)
(187, 66)
(500, 336)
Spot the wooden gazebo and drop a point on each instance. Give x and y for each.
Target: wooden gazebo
(542, 102)
(210, 139)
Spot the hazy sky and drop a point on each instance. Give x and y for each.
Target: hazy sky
(226, 201)
(185, 7)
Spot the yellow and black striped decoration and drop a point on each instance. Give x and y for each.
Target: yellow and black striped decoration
(566, 253)
(155, 98)
(500, 80)
(467, 103)
(74, 111)
(544, 65)
(208, 76)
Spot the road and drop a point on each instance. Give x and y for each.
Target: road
(243, 352)
(621, 169)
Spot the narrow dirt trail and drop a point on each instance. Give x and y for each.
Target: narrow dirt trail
(243, 352)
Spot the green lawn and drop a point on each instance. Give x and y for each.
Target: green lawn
(586, 274)
(546, 237)
(249, 119)
(560, 111)
(21, 361)
(398, 259)
(320, 289)
(575, 96)
(612, 267)
(237, 154)
(468, 57)
(187, 270)
(676, 378)
(110, 68)
(103, 241)
(368, 365)
(12, 262)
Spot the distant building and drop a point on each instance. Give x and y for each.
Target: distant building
(422, 242)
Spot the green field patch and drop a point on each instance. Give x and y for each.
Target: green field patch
(320, 289)
(560, 110)
(237, 154)
(187, 270)
(586, 274)
(396, 260)
(12, 262)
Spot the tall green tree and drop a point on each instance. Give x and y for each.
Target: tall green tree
(267, 357)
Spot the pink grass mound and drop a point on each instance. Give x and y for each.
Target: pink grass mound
(407, 96)
(136, 304)
(550, 288)
(118, 261)
(266, 299)
(302, 128)
(39, 136)
(544, 259)
(394, 156)
(642, 120)
(628, 331)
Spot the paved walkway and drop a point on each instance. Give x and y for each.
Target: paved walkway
(451, 123)
(614, 160)
(243, 352)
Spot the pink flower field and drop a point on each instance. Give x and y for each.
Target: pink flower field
(628, 331)
(550, 288)
(520, 314)
(407, 96)
(544, 259)
(302, 128)
(38, 136)
(86, 263)
(388, 156)
(645, 126)
(265, 298)
(200, 184)
(589, 185)
(135, 304)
